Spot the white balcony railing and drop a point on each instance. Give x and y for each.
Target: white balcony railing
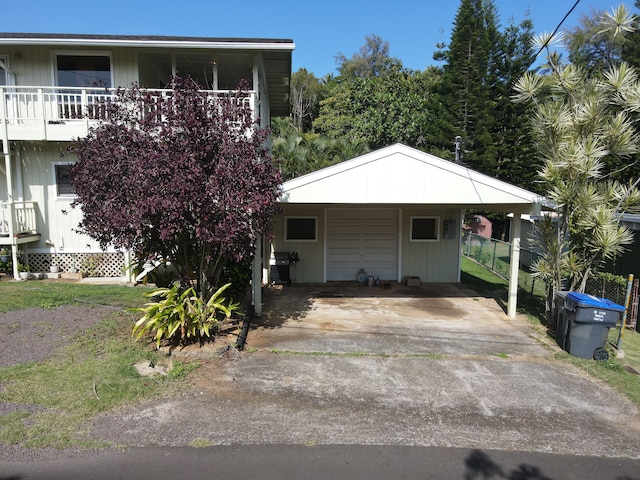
(17, 219)
(60, 113)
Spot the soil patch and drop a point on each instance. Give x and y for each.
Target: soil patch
(33, 334)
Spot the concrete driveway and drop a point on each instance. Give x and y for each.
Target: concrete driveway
(431, 366)
(346, 318)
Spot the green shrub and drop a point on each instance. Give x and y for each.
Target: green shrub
(181, 316)
(238, 274)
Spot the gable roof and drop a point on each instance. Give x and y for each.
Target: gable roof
(399, 174)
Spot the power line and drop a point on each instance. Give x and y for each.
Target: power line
(543, 46)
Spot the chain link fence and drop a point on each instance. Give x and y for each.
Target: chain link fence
(495, 255)
(617, 289)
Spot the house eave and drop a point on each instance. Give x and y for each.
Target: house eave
(145, 41)
(399, 174)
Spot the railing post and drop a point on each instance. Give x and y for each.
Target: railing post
(85, 109)
(252, 105)
(43, 110)
(3, 109)
(493, 260)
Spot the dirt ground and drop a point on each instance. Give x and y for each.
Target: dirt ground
(32, 335)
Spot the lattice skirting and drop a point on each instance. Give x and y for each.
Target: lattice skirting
(90, 264)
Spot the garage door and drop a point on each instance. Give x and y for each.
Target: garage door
(358, 239)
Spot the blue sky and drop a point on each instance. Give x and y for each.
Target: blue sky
(320, 30)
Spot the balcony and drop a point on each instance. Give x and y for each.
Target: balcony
(18, 223)
(62, 114)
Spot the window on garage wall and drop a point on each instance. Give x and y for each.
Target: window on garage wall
(301, 229)
(425, 229)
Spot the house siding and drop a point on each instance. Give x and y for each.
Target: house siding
(38, 185)
(433, 262)
(310, 269)
(39, 69)
(31, 66)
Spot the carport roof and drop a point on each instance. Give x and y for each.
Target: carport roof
(399, 174)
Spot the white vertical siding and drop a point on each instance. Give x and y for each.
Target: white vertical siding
(124, 66)
(34, 66)
(37, 160)
(431, 261)
(310, 269)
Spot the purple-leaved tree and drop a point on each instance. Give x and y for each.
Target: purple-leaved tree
(186, 176)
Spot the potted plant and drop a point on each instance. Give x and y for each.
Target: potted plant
(5, 254)
(54, 268)
(24, 270)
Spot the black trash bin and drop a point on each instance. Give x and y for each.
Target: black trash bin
(584, 322)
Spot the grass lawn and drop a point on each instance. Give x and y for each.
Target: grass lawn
(49, 294)
(93, 373)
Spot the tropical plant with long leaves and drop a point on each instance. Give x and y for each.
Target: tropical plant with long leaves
(181, 316)
(585, 128)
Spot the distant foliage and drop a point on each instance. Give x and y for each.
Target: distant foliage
(372, 60)
(375, 101)
(396, 107)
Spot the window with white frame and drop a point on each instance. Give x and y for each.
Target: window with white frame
(62, 180)
(83, 69)
(301, 229)
(4, 70)
(425, 229)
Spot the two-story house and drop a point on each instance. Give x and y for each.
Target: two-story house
(48, 84)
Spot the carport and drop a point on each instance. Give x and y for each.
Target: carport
(394, 213)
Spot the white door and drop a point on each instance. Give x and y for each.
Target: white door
(362, 238)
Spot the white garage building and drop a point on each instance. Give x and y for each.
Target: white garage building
(396, 212)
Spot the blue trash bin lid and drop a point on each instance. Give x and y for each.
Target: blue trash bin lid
(585, 300)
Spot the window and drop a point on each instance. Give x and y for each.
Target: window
(76, 70)
(300, 229)
(62, 178)
(4, 74)
(425, 229)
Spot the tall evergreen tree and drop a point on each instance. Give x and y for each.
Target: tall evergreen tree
(512, 135)
(467, 82)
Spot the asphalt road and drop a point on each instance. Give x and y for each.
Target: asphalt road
(354, 462)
